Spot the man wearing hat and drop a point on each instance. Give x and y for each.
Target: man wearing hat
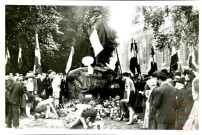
(96, 19)
(189, 76)
(181, 103)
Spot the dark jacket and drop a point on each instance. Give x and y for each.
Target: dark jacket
(165, 98)
(41, 86)
(16, 94)
(152, 109)
(184, 106)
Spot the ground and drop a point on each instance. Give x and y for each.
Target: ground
(106, 123)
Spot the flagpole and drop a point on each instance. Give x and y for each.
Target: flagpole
(20, 57)
(138, 59)
(118, 59)
(69, 62)
(37, 59)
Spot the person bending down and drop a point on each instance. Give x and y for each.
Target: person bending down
(86, 115)
(44, 108)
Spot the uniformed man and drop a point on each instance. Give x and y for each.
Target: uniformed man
(96, 19)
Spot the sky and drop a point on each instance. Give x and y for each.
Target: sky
(121, 20)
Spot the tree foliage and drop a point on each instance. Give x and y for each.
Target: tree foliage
(22, 22)
(58, 28)
(185, 22)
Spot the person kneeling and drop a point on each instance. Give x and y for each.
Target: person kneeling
(44, 108)
(86, 115)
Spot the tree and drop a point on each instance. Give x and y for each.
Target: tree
(58, 28)
(76, 27)
(185, 22)
(22, 22)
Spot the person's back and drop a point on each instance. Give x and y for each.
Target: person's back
(168, 96)
(16, 93)
(46, 102)
(164, 102)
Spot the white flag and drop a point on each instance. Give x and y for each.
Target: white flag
(69, 62)
(7, 56)
(20, 57)
(95, 42)
(37, 59)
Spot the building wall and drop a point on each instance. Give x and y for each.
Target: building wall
(144, 40)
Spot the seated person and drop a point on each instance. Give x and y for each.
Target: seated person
(86, 115)
(44, 108)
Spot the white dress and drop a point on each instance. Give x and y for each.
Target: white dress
(56, 88)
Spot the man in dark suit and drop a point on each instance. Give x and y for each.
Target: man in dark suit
(48, 84)
(41, 84)
(184, 105)
(165, 98)
(64, 89)
(18, 89)
(152, 108)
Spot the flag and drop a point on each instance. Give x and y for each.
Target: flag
(37, 59)
(174, 60)
(152, 62)
(95, 42)
(134, 61)
(20, 57)
(104, 32)
(113, 61)
(69, 62)
(7, 61)
(179, 70)
(191, 59)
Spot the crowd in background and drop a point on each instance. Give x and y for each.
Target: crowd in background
(167, 101)
(39, 85)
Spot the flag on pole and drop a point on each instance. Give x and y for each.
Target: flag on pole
(104, 32)
(118, 64)
(134, 61)
(191, 60)
(7, 61)
(113, 61)
(174, 60)
(152, 62)
(20, 57)
(95, 42)
(69, 62)
(179, 71)
(37, 59)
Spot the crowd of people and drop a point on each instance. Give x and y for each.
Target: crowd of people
(34, 92)
(169, 100)
(168, 103)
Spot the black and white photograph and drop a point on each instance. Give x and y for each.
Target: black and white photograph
(99, 66)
